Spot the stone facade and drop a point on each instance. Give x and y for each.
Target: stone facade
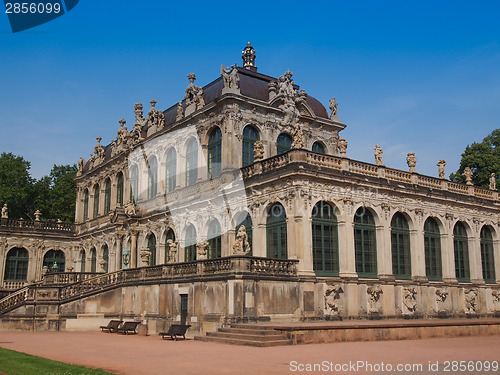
(183, 204)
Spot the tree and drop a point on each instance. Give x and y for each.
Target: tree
(483, 158)
(16, 185)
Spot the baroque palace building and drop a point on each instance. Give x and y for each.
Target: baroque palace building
(239, 203)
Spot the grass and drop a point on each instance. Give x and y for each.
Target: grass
(16, 363)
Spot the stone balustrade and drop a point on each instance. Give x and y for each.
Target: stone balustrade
(61, 278)
(36, 225)
(13, 285)
(14, 299)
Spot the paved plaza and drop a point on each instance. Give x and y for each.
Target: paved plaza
(135, 355)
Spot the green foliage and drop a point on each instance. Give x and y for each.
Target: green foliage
(16, 185)
(483, 158)
(15, 363)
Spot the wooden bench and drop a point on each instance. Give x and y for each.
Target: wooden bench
(128, 328)
(174, 331)
(112, 326)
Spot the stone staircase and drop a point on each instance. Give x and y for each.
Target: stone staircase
(247, 334)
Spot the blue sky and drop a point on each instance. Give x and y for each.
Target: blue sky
(413, 76)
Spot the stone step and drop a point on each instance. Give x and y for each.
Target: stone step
(251, 331)
(253, 326)
(243, 336)
(235, 341)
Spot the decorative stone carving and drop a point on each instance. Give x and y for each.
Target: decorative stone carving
(5, 211)
(145, 255)
(130, 209)
(139, 118)
(38, 215)
(411, 160)
(290, 114)
(201, 249)
(172, 250)
(410, 298)
(156, 119)
(241, 245)
(470, 301)
(493, 182)
(231, 79)
(441, 296)
(332, 299)
(180, 114)
(342, 145)
(468, 174)
(103, 264)
(258, 151)
(496, 299)
(333, 108)
(248, 56)
(378, 155)
(81, 164)
(272, 87)
(374, 293)
(441, 164)
(98, 152)
(298, 137)
(193, 96)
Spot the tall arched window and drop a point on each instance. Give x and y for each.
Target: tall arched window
(152, 177)
(365, 245)
(284, 143)
(86, 205)
(191, 162)
(214, 240)
(119, 189)
(93, 260)
(16, 264)
(325, 240)
(170, 236)
(250, 136)
(319, 148)
(432, 245)
(96, 202)
(487, 257)
(276, 232)
(461, 249)
(82, 261)
(400, 241)
(105, 257)
(246, 220)
(134, 183)
(54, 260)
(107, 196)
(152, 248)
(190, 244)
(214, 153)
(171, 170)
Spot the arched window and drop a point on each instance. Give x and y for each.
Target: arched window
(86, 205)
(119, 190)
(276, 232)
(82, 261)
(107, 196)
(93, 260)
(246, 220)
(319, 148)
(170, 236)
(152, 177)
(16, 265)
(191, 162)
(250, 136)
(105, 257)
(284, 143)
(134, 183)
(96, 202)
(365, 245)
(214, 153)
(487, 258)
(214, 240)
(400, 241)
(432, 245)
(170, 170)
(190, 244)
(54, 260)
(152, 248)
(461, 249)
(325, 240)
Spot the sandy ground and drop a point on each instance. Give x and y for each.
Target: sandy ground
(137, 355)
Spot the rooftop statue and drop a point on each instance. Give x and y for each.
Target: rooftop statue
(230, 76)
(468, 174)
(193, 95)
(342, 144)
(378, 155)
(5, 211)
(411, 160)
(248, 56)
(493, 182)
(333, 107)
(441, 163)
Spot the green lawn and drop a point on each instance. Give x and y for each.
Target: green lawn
(15, 363)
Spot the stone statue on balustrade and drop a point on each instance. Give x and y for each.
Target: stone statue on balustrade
(172, 250)
(411, 160)
(38, 215)
(441, 164)
(98, 152)
(201, 249)
(468, 174)
(378, 155)
(180, 114)
(258, 151)
(231, 79)
(5, 211)
(193, 96)
(81, 164)
(342, 144)
(333, 108)
(493, 182)
(241, 245)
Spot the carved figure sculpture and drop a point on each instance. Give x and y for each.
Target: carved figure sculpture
(493, 182)
(374, 293)
(258, 151)
(103, 264)
(38, 215)
(333, 107)
(332, 299)
(98, 152)
(201, 249)
(342, 144)
(81, 164)
(5, 211)
(172, 249)
(290, 114)
(230, 76)
(298, 137)
(410, 298)
(468, 175)
(139, 118)
(194, 94)
(241, 245)
(411, 160)
(180, 113)
(470, 301)
(248, 56)
(441, 163)
(130, 209)
(378, 155)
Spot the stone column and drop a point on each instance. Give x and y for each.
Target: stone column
(259, 240)
(475, 265)
(118, 251)
(417, 252)
(33, 263)
(347, 255)
(180, 180)
(448, 255)
(227, 242)
(384, 251)
(79, 205)
(202, 163)
(133, 249)
(496, 258)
